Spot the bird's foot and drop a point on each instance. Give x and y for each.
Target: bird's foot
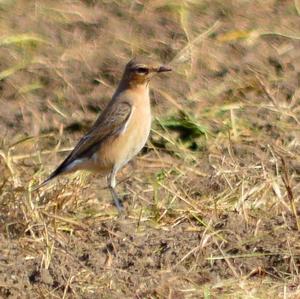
(119, 205)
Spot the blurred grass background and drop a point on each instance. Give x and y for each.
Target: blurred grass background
(212, 201)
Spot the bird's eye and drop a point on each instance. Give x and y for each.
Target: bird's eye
(142, 70)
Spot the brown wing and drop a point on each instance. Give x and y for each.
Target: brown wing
(110, 123)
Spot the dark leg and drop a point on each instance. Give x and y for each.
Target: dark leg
(111, 185)
(116, 200)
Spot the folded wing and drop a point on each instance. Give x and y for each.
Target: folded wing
(110, 123)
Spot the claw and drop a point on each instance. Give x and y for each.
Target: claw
(117, 202)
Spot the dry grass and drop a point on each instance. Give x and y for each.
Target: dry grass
(212, 202)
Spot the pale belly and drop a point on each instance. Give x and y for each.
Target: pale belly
(134, 139)
(138, 139)
(122, 149)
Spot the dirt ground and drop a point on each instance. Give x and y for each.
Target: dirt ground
(212, 201)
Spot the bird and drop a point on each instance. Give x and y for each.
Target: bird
(120, 131)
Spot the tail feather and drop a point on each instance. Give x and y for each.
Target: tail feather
(45, 182)
(62, 168)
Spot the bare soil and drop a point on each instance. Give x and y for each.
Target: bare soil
(212, 202)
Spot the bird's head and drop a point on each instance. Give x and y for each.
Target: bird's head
(139, 71)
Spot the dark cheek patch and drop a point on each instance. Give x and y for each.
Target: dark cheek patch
(142, 70)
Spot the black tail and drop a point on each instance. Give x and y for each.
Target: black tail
(59, 170)
(54, 174)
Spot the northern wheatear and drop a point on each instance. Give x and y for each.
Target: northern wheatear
(120, 131)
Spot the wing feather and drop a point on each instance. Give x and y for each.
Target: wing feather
(110, 123)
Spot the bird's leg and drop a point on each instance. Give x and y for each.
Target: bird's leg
(111, 185)
(117, 201)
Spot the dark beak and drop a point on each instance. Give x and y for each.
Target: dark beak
(164, 69)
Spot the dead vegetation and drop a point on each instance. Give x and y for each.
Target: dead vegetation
(213, 200)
